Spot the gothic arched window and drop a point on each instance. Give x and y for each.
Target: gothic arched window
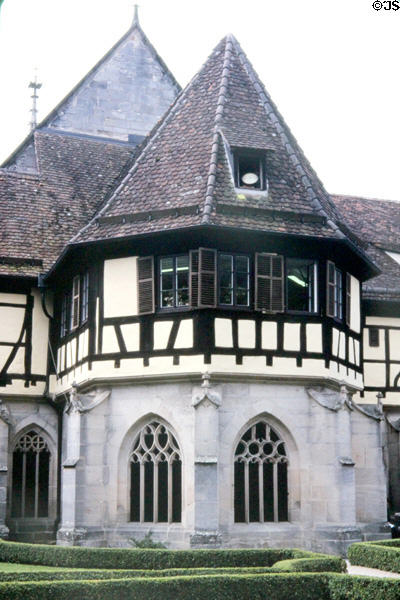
(30, 477)
(261, 488)
(156, 476)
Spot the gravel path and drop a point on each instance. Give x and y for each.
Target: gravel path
(354, 570)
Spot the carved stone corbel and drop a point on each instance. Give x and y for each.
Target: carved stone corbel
(83, 403)
(206, 395)
(5, 414)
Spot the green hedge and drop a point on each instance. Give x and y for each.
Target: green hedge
(124, 558)
(344, 587)
(296, 586)
(377, 555)
(319, 564)
(330, 563)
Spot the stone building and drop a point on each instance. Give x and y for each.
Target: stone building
(188, 321)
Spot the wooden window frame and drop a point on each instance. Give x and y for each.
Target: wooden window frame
(313, 297)
(335, 288)
(175, 306)
(234, 304)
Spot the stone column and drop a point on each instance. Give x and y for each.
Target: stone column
(5, 423)
(68, 534)
(206, 403)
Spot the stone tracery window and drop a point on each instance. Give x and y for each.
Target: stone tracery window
(260, 466)
(156, 476)
(30, 477)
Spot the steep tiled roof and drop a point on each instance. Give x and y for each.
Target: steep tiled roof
(184, 164)
(40, 213)
(377, 223)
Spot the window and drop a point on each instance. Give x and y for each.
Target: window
(334, 291)
(30, 477)
(249, 170)
(373, 337)
(75, 304)
(301, 285)
(174, 281)
(234, 280)
(156, 478)
(260, 478)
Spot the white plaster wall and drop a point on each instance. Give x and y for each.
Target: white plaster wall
(246, 333)
(394, 344)
(269, 335)
(40, 336)
(131, 335)
(291, 336)
(374, 374)
(11, 320)
(162, 330)
(355, 310)
(184, 338)
(110, 342)
(383, 321)
(223, 333)
(374, 352)
(314, 337)
(120, 287)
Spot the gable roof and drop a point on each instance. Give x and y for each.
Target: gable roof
(40, 213)
(124, 94)
(377, 223)
(183, 173)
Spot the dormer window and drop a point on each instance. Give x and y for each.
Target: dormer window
(249, 169)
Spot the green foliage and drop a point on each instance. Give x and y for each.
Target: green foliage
(318, 564)
(343, 587)
(296, 586)
(126, 558)
(377, 555)
(147, 542)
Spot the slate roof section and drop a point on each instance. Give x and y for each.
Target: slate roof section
(184, 162)
(377, 223)
(127, 91)
(40, 213)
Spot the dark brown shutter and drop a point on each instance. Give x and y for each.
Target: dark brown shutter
(330, 289)
(194, 278)
(348, 298)
(269, 283)
(207, 277)
(145, 285)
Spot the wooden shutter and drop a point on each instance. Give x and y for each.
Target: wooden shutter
(194, 278)
(146, 285)
(330, 288)
(269, 283)
(348, 298)
(207, 277)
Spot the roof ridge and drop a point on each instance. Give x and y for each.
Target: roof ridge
(208, 204)
(355, 197)
(271, 112)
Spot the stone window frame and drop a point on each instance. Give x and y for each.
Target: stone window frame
(293, 473)
(51, 444)
(123, 471)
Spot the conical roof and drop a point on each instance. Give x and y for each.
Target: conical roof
(183, 176)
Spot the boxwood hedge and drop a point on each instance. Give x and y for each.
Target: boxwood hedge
(383, 555)
(344, 587)
(126, 558)
(276, 586)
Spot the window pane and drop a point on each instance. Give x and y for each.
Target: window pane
(225, 295)
(182, 262)
(183, 297)
(225, 262)
(242, 264)
(242, 297)
(167, 298)
(300, 284)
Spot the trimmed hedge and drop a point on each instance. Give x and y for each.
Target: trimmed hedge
(320, 564)
(343, 587)
(330, 563)
(278, 586)
(376, 555)
(126, 558)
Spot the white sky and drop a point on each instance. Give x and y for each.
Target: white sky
(330, 66)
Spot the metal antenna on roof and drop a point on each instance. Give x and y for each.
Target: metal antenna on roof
(35, 86)
(136, 15)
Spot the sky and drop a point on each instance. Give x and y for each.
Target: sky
(332, 68)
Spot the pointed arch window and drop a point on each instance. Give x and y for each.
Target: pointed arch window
(260, 465)
(30, 477)
(156, 476)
